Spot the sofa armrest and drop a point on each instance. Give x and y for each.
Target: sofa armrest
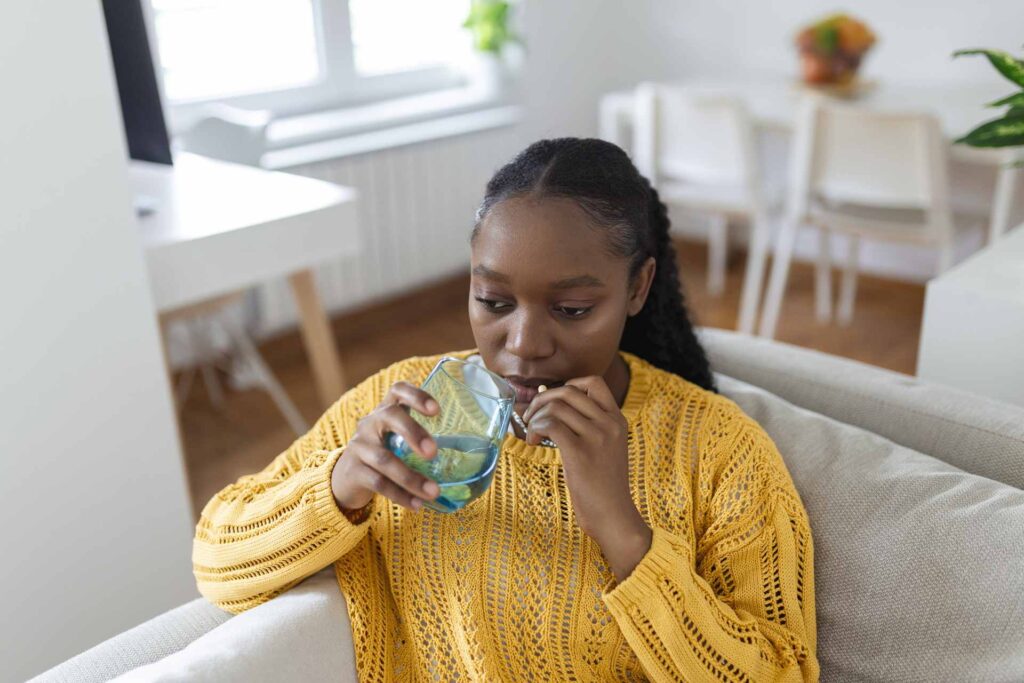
(148, 642)
(975, 433)
(304, 634)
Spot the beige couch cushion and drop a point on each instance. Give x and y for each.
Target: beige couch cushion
(301, 635)
(977, 434)
(919, 566)
(148, 642)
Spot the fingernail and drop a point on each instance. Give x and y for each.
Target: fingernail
(431, 489)
(416, 504)
(427, 446)
(431, 405)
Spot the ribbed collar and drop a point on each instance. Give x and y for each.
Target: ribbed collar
(640, 372)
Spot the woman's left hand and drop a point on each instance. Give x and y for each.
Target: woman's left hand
(583, 418)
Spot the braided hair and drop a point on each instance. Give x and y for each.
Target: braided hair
(605, 184)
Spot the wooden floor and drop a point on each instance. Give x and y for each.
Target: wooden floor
(243, 436)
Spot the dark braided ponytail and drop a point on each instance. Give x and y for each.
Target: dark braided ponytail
(662, 332)
(602, 180)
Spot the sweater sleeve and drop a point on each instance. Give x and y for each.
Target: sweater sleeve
(268, 531)
(741, 606)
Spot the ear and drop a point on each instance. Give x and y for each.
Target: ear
(641, 286)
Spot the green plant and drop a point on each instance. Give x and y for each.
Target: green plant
(488, 20)
(1007, 131)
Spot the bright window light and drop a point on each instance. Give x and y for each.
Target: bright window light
(219, 48)
(390, 36)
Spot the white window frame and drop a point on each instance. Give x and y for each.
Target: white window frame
(339, 86)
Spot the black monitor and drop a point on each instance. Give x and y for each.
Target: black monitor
(141, 109)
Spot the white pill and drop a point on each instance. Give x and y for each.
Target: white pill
(541, 389)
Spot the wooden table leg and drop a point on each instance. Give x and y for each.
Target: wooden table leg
(317, 336)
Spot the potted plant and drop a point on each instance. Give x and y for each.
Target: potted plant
(488, 22)
(1008, 130)
(831, 50)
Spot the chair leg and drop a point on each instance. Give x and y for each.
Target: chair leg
(718, 253)
(206, 349)
(267, 379)
(823, 278)
(848, 288)
(777, 281)
(757, 254)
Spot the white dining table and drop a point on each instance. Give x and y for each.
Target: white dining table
(212, 228)
(772, 102)
(973, 323)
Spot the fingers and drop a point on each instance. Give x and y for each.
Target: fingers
(597, 389)
(369, 465)
(380, 471)
(392, 416)
(411, 396)
(572, 395)
(560, 411)
(557, 431)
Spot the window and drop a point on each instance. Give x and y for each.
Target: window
(295, 56)
(428, 34)
(211, 49)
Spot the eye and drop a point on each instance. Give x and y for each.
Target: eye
(492, 305)
(574, 312)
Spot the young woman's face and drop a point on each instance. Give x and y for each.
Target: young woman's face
(547, 302)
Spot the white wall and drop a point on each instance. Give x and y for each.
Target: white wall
(576, 50)
(96, 522)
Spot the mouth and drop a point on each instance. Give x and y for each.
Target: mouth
(526, 388)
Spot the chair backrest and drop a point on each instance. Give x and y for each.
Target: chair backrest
(848, 153)
(692, 135)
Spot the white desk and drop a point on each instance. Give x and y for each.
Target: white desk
(220, 227)
(972, 336)
(772, 102)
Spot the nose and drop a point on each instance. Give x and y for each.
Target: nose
(528, 336)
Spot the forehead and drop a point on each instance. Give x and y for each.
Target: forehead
(542, 241)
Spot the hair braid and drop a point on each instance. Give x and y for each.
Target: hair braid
(662, 332)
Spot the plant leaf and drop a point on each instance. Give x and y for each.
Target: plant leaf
(1005, 132)
(1005, 63)
(1014, 100)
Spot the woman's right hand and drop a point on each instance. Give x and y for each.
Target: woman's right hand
(368, 465)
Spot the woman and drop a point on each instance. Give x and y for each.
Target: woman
(661, 540)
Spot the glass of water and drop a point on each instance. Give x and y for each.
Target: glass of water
(476, 406)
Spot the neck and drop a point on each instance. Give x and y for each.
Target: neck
(617, 378)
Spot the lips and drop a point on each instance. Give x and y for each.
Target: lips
(526, 387)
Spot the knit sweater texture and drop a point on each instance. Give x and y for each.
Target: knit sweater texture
(510, 588)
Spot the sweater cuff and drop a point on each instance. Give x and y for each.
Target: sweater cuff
(668, 556)
(322, 495)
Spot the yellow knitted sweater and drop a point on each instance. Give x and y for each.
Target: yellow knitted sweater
(510, 588)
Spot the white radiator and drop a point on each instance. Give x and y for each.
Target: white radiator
(416, 210)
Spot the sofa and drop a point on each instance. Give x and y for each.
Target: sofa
(914, 493)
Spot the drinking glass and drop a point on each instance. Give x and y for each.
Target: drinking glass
(475, 409)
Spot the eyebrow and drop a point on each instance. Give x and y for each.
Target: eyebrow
(567, 283)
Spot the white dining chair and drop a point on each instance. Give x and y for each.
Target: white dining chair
(698, 150)
(866, 174)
